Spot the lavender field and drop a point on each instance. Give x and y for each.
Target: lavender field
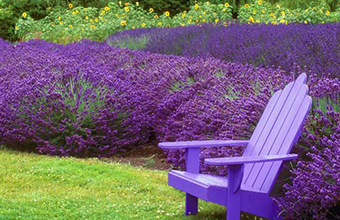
(91, 99)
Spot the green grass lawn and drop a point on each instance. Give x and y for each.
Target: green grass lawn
(42, 187)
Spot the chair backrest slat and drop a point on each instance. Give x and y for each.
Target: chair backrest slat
(274, 133)
(273, 168)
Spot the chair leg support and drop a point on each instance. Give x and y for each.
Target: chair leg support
(191, 204)
(235, 174)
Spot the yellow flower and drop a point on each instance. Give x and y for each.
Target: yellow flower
(24, 15)
(151, 10)
(123, 23)
(327, 13)
(102, 12)
(137, 3)
(73, 12)
(251, 19)
(226, 5)
(282, 21)
(203, 20)
(92, 26)
(306, 10)
(260, 2)
(120, 2)
(216, 20)
(156, 17)
(126, 4)
(254, 12)
(117, 15)
(203, 13)
(271, 14)
(133, 27)
(70, 26)
(286, 22)
(263, 11)
(16, 27)
(196, 7)
(101, 18)
(59, 18)
(96, 20)
(49, 8)
(143, 25)
(246, 5)
(107, 8)
(257, 21)
(278, 6)
(167, 13)
(182, 24)
(183, 15)
(61, 23)
(126, 9)
(70, 5)
(200, 16)
(91, 20)
(306, 22)
(159, 23)
(86, 17)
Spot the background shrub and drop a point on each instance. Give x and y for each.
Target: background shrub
(7, 20)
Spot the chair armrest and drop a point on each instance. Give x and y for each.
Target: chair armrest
(199, 144)
(249, 159)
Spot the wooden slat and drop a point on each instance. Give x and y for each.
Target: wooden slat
(265, 139)
(278, 135)
(259, 140)
(291, 138)
(262, 122)
(203, 179)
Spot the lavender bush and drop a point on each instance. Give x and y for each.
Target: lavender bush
(90, 99)
(292, 48)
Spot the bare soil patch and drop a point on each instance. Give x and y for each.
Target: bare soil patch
(148, 156)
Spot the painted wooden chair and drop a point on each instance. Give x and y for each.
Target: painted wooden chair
(251, 177)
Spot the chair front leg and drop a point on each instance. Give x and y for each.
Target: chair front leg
(192, 163)
(235, 174)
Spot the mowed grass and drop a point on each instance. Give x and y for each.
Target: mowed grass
(41, 187)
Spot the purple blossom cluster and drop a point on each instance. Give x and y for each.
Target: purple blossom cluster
(91, 99)
(292, 48)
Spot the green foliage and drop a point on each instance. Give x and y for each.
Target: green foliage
(264, 12)
(331, 5)
(7, 21)
(132, 43)
(75, 23)
(160, 6)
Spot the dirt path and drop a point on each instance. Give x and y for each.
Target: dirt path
(148, 156)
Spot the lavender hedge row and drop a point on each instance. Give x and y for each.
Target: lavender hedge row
(293, 47)
(90, 99)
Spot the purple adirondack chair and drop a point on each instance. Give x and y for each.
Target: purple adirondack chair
(252, 176)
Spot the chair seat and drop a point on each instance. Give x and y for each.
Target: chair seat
(207, 187)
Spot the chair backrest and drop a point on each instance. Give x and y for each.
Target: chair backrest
(277, 131)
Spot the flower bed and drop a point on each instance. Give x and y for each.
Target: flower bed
(293, 48)
(90, 99)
